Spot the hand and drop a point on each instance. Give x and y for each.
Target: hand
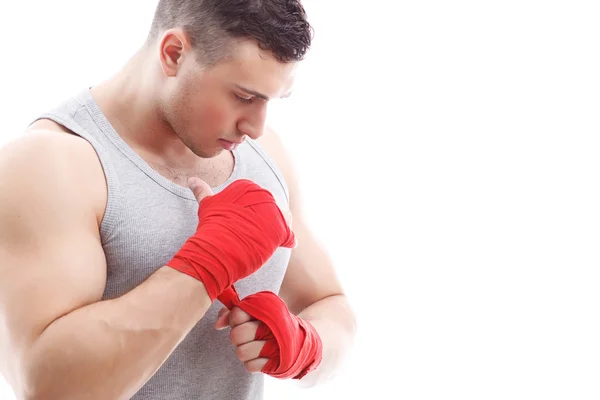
(199, 188)
(268, 337)
(239, 229)
(242, 336)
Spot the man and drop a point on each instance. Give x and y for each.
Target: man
(115, 283)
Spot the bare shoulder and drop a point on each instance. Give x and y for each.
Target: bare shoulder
(47, 125)
(52, 157)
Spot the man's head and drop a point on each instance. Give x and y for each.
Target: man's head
(221, 61)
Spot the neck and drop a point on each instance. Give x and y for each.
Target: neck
(130, 102)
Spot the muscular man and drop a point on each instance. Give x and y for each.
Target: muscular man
(115, 283)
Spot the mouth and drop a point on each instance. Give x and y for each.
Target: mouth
(229, 145)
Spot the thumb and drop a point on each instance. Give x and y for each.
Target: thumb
(199, 188)
(222, 319)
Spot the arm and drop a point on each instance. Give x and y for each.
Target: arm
(310, 287)
(57, 339)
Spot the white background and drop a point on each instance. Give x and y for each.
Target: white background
(450, 160)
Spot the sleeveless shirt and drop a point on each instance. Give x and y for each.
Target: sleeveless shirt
(148, 218)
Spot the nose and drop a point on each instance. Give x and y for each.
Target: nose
(253, 122)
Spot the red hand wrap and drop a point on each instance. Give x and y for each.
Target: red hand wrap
(239, 229)
(293, 347)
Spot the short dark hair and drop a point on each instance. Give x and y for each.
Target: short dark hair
(279, 26)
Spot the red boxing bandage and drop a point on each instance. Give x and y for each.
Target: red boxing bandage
(239, 229)
(293, 347)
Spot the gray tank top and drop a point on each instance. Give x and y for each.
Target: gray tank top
(147, 219)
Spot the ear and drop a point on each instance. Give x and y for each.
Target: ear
(173, 47)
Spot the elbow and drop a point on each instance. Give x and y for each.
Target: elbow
(32, 390)
(23, 387)
(29, 386)
(35, 381)
(17, 373)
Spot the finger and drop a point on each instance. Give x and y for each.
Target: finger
(256, 365)
(250, 351)
(222, 319)
(244, 333)
(200, 188)
(237, 317)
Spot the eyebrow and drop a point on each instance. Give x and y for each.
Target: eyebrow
(258, 94)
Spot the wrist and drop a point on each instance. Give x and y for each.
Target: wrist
(193, 290)
(314, 348)
(187, 265)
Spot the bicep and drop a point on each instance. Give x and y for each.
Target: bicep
(51, 258)
(310, 275)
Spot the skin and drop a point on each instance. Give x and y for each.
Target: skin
(57, 339)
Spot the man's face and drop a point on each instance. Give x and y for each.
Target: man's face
(215, 109)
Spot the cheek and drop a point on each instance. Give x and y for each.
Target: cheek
(228, 111)
(217, 116)
(201, 108)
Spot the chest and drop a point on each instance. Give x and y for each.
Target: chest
(151, 224)
(213, 171)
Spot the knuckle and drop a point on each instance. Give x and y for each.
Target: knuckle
(238, 316)
(235, 335)
(253, 366)
(250, 367)
(243, 333)
(241, 353)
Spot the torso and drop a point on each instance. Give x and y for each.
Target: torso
(147, 218)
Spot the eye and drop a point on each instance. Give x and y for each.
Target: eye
(243, 99)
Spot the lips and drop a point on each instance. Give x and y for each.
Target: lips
(228, 145)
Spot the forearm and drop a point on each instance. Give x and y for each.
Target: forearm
(109, 349)
(334, 321)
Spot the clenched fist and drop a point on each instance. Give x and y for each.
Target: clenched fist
(268, 337)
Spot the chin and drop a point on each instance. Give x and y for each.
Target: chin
(206, 153)
(200, 150)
